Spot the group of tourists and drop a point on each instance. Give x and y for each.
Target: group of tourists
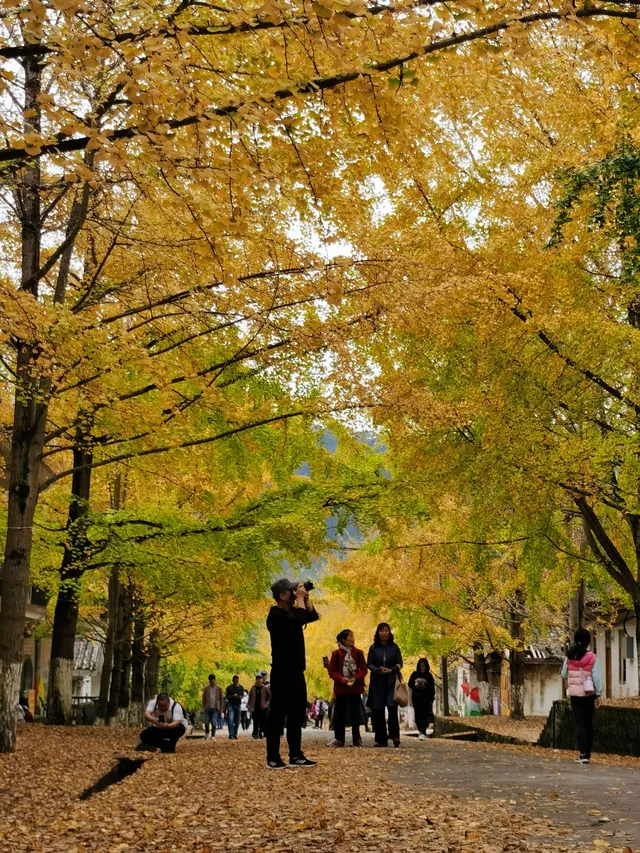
(237, 706)
(282, 703)
(348, 670)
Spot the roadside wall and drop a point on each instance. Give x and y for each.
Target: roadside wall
(617, 730)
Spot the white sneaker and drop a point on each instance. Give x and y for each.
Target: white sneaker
(420, 736)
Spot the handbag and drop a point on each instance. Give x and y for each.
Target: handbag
(401, 692)
(587, 682)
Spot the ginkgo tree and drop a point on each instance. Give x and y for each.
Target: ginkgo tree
(252, 120)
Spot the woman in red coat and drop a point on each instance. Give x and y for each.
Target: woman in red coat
(348, 669)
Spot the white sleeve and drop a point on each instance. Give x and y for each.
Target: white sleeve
(178, 713)
(151, 705)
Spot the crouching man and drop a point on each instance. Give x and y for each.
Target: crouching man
(167, 724)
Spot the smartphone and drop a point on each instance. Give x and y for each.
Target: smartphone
(161, 718)
(325, 662)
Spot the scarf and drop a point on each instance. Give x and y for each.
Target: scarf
(349, 667)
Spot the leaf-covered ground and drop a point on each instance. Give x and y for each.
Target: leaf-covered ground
(210, 797)
(527, 729)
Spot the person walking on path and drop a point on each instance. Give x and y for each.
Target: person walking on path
(285, 624)
(211, 706)
(244, 712)
(167, 725)
(319, 711)
(384, 661)
(348, 669)
(235, 692)
(584, 688)
(258, 705)
(423, 693)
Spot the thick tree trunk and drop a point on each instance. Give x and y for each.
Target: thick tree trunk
(482, 676)
(637, 649)
(516, 664)
(516, 660)
(444, 671)
(118, 657)
(65, 620)
(27, 440)
(107, 667)
(138, 660)
(124, 694)
(153, 666)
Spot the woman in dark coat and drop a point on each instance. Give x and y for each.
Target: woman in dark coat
(423, 692)
(384, 662)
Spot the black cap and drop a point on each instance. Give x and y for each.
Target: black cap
(281, 586)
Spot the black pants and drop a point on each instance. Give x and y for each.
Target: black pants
(380, 725)
(259, 722)
(347, 703)
(244, 720)
(288, 701)
(166, 739)
(583, 710)
(424, 715)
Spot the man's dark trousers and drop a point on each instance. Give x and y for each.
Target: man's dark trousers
(288, 700)
(166, 739)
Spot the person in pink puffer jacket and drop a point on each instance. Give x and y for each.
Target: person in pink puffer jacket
(584, 688)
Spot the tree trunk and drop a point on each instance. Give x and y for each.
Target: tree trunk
(153, 666)
(65, 620)
(516, 659)
(138, 660)
(444, 671)
(516, 664)
(636, 609)
(27, 439)
(107, 667)
(118, 657)
(482, 676)
(124, 693)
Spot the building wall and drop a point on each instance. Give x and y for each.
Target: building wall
(542, 686)
(623, 676)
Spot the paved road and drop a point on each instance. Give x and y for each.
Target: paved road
(534, 781)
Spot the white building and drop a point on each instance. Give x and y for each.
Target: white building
(616, 650)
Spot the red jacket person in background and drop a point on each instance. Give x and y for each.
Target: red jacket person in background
(348, 670)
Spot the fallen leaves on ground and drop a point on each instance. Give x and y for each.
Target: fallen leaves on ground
(527, 729)
(220, 797)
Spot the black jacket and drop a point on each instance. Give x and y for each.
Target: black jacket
(422, 694)
(287, 639)
(381, 685)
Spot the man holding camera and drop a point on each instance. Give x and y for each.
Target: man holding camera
(167, 724)
(285, 624)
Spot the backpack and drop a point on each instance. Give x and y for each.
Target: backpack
(172, 708)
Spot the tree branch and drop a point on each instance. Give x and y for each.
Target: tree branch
(321, 84)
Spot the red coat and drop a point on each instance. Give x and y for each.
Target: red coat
(335, 671)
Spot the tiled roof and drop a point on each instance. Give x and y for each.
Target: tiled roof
(87, 655)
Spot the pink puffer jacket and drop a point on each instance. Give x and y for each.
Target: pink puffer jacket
(580, 676)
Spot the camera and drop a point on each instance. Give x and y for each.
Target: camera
(308, 585)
